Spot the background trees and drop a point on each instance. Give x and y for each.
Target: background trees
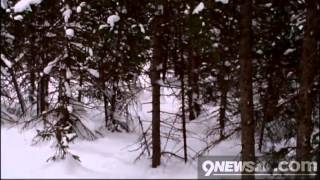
(246, 97)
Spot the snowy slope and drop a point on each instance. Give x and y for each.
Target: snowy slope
(113, 155)
(108, 157)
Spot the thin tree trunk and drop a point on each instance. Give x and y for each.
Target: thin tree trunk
(113, 102)
(32, 86)
(184, 133)
(16, 86)
(43, 94)
(155, 77)
(223, 107)
(32, 76)
(105, 101)
(308, 62)
(246, 102)
(80, 84)
(193, 89)
(191, 92)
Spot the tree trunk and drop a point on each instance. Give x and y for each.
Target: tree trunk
(80, 84)
(32, 86)
(43, 95)
(246, 102)
(105, 101)
(184, 133)
(113, 101)
(223, 108)
(19, 95)
(193, 89)
(308, 64)
(155, 77)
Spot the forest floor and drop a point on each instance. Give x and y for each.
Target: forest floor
(110, 156)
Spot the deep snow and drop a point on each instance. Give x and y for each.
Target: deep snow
(108, 157)
(113, 155)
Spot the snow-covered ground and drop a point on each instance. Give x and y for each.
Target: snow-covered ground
(113, 155)
(108, 157)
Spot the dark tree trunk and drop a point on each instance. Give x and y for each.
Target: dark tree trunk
(190, 89)
(113, 102)
(32, 75)
(17, 88)
(246, 102)
(80, 84)
(271, 97)
(223, 108)
(193, 89)
(105, 101)
(308, 64)
(183, 116)
(155, 77)
(43, 90)
(32, 86)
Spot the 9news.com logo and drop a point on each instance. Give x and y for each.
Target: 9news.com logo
(228, 167)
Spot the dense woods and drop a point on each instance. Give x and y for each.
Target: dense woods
(251, 67)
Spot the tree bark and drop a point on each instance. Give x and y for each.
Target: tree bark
(223, 108)
(80, 84)
(43, 93)
(183, 116)
(19, 95)
(193, 89)
(246, 102)
(155, 77)
(307, 64)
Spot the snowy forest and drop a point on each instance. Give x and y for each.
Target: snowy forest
(142, 89)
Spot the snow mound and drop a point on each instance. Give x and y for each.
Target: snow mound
(112, 20)
(24, 5)
(198, 9)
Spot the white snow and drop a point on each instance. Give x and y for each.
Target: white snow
(19, 57)
(49, 67)
(4, 4)
(24, 5)
(68, 74)
(18, 17)
(112, 20)
(142, 28)
(69, 108)
(102, 26)
(159, 67)
(288, 51)
(268, 5)
(83, 4)
(79, 9)
(6, 61)
(108, 157)
(67, 89)
(198, 9)
(113, 156)
(69, 32)
(7, 35)
(89, 50)
(289, 74)
(259, 51)
(147, 38)
(94, 72)
(223, 1)
(67, 14)
(227, 63)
